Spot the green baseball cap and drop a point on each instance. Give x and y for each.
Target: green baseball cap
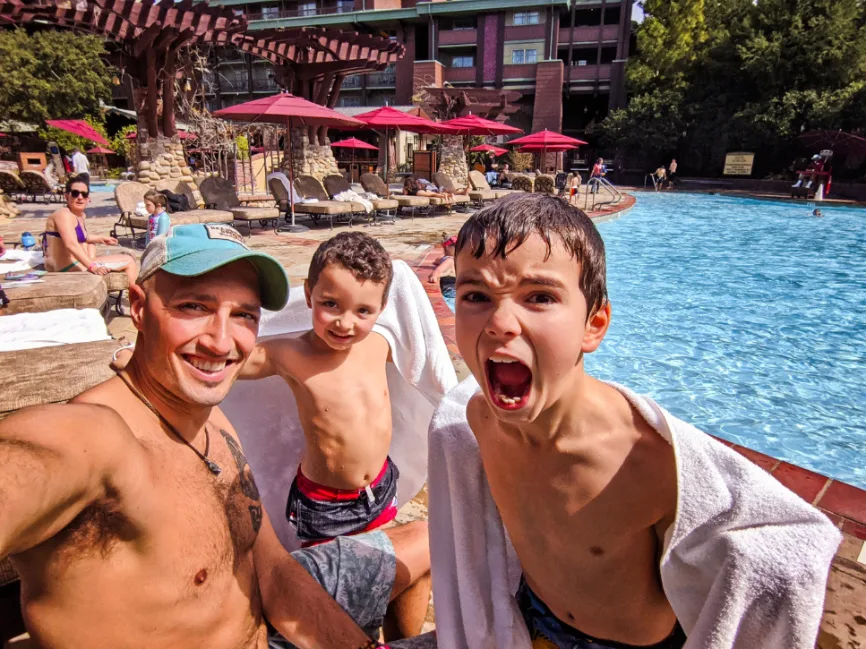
(196, 249)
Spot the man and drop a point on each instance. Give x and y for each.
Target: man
(132, 515)
(80, 165)
(672, 173)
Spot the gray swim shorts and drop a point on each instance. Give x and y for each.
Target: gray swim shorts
(358, 572)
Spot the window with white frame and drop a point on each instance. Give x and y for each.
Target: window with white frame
(345, 6)
(463, 62)
(526, 18)
(306, 8)
(519, 57)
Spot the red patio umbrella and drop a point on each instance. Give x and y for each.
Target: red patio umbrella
(489, 148)
(840, 142)
(354, 143)
(288, 109)
(387, 118)
(546, 140)
(3, 135)
(78, 127)
(474, 125)
(102, 151)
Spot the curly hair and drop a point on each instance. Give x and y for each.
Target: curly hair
(358, 253)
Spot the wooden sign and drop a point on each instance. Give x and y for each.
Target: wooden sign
(739, 164)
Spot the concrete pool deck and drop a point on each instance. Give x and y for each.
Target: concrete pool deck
(415, 241)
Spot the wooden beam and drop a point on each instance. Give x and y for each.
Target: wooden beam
(144, 41)
(165, 39)
(152, 94)
(168, 125)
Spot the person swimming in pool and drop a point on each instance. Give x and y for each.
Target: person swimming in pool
(446, 261)
(818, 213)
(68, 247)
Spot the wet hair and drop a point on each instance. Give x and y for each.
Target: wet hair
(74, 180)
(510, 221)
(358, 253)
(157, 198)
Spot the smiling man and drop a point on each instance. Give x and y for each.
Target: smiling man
(131, 513)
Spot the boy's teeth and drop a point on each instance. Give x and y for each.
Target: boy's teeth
(502, 359)
(505, 399)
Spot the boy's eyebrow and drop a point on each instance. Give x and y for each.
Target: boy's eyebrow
(542, 280)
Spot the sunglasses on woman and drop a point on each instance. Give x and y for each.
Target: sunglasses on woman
(75, 193)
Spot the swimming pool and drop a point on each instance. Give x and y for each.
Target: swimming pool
(746, 318)
(103, 186)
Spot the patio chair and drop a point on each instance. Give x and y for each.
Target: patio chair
(130, 193)
(335, 211)
(521, 183)
(36, 185)
(443, 180)
(220, 194)
(383, 208)
(479, 183)
(313, 211)
(11, 184)
(375, 185)
(544, 184)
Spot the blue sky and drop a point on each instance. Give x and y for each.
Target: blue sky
(637, 14)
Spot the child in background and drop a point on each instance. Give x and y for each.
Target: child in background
(446, 261)
(346, 483)
(158, 222)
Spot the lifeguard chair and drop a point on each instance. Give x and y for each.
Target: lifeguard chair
(815, 181)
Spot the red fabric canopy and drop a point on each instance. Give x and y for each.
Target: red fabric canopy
(279, 109)
(840, 142)
(474, 125)
(539, 148)
(495, 150)
(387, 118)
(3, 135)
(547, 139)
(99, 149)
(354, 143)
(78, 127)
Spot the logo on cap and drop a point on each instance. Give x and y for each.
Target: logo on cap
(225, 233)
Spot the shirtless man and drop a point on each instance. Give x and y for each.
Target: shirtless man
(132, 515)
(68, 247)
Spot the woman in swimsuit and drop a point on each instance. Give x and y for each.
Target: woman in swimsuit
(415, 187)
(67, 246)
(446, 262)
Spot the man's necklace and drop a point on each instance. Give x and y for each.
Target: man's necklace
(212, 466)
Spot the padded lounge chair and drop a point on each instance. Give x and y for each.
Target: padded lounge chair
(129, 194)
(11, 184)
(314, 211)
(220, 194)
(36, 185)
(445, 181)
(383, 208)
(375, 185)
(59, 291)
(479, 182)
(335, 211)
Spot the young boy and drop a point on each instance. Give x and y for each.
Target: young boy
(158, 222)
(584, 476)
(346, 483)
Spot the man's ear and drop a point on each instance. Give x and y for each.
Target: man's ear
(137, 299)
(596, 328)
(308, 293)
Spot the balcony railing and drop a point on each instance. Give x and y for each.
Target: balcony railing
(302, 12)
(589, 72)
(351, 82)
(589, 34)
(457, 75)
(458, 37)
(263, 85)
(386, 79)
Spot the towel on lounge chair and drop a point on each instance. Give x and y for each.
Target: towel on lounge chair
(17, 261)
(296, 197)
(744, 566)
(266, 417)
(350, 196)
(51, 328)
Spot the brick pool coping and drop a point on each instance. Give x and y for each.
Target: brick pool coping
(844, 504)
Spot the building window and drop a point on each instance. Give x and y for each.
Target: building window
(306, 8)
(519, 57)
(345, 6)
(270, 13)
(526, 18)
(463, 62)
(350, 101)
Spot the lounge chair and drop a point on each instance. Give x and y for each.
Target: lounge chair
(384, 208)
(479, 197)
(375, 185)
(336, 211)
(479, 183)
(313, 211)
(36, 185)
(58, 291)
(521, 183)
(544, 184)
(11, 184)
(129, 194)
(220, 194)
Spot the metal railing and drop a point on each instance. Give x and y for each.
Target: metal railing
(595, 186)
(652, 177)
(382, 79)
(340, 8)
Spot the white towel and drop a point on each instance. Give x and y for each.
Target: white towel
(51, 328)
(350, 196)
(18, 261)
(744, 565)
(279, 175)
(265, 414)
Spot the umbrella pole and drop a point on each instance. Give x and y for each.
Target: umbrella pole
(293, 227)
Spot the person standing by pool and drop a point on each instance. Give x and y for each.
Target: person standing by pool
(672, 173)
(158, 222)
(80, 165)
(576, 512)
(67, 246)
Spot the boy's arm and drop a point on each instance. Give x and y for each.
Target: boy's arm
(162, 224)
(269, 358)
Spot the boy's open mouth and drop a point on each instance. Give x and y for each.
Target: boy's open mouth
(510, 382)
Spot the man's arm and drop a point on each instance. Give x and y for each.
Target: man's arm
(56, 460)
(295, 604)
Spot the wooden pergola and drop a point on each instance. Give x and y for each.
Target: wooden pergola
(152, 35)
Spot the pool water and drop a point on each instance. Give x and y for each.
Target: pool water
(746, 318)
(103, 186)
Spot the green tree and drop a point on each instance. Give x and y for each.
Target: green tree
(120, 144)
(51, 75)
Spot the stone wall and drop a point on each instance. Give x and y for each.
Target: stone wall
(162, 159)
(452, 160)
(310, 159)
(8, 208)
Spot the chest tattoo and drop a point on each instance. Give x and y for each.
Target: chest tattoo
(247, 481)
